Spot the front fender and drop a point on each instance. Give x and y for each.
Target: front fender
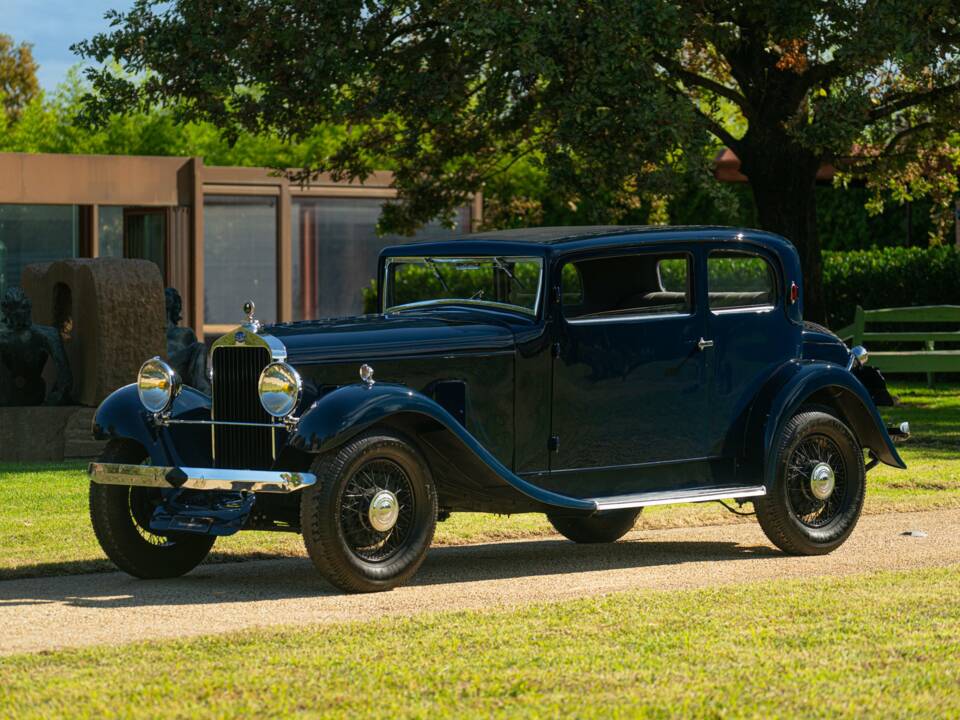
(122, 416)
(349, 410)
(837, 387)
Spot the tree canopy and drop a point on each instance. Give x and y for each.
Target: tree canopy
(609, 99)
(18, 77)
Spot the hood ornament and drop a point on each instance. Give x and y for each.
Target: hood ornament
(252, 324)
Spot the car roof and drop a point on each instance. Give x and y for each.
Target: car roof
(572, 233)
(557, 240)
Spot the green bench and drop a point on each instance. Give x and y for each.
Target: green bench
(926, 359)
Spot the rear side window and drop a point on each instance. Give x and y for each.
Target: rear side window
(740, 280)
(626, 286)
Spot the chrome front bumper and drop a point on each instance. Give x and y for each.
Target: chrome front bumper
(265, 481)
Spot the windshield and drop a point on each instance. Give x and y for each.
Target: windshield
(510, 283)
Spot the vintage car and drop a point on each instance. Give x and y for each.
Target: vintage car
(584, 373)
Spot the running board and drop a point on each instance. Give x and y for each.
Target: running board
(638, 500)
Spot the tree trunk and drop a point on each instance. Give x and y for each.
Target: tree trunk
(783, 184)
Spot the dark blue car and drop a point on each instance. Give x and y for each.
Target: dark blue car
(585, 373)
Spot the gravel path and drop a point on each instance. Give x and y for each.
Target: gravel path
(50, 613)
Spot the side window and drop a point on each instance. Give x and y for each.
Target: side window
(627, 286)
(740, 280)
(572, 286)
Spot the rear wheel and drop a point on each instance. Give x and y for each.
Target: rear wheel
(820, 485)
(121, 521)
(369, 520)
(602, 528)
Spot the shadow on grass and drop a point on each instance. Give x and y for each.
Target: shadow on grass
(102, 565)
(291, 578)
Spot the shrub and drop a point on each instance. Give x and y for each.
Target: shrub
(889, 277)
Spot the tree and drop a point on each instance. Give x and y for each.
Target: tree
(18, 77)
(610, 98)
(48, 124)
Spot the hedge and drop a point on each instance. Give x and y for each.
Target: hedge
(889, 277)
(877, 278)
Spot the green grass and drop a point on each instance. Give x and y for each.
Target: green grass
(44, 527)
(877, 645)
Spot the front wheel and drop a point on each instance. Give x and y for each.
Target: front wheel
(370, 518)
(605, 527)
(819, 489)
(121, 521)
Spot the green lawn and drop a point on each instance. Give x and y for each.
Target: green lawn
(878, 645)
(44, 527)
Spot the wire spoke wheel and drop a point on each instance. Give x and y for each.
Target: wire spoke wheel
(143, 501)
(369, 519)
(816, 481)
(121, 517)
(377, 510)
(817, 494)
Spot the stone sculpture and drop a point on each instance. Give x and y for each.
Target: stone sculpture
(187, 356)
(24, 349)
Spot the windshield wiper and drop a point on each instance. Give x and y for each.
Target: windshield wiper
(501, 265)
(432, 264)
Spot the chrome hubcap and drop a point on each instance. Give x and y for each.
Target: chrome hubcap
(384, 511)
(822, 481)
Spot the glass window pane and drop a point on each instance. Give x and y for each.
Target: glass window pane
(35, 234)
(737, 280)
(508, 282)
(110, 220)
(641, 284)
(572, 285)
(335, 250)
(145, 236)
(240, 257)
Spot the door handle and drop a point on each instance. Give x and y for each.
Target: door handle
(704, 344)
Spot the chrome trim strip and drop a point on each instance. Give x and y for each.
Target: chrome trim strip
(278, 425)
(253, 337)
(756, 309)
(636, 500)
(265, 481)
(626, 318)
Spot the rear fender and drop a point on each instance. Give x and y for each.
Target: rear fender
(349, 410)
(820, 384)
(122, 416)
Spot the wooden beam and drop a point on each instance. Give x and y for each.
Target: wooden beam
(196, 247)
(284, 258)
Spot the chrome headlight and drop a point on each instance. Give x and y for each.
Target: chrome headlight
(861, 354)
(157, 385)
(279, 388)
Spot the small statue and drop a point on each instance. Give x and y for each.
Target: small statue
(24, 349)
(187, 356)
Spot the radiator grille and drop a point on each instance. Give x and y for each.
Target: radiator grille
(236, 371)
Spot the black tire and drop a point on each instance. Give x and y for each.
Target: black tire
(792, 515)
(606, 527)
(120, 515)
(335, 513)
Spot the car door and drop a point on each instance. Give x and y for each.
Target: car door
(629, 393)
(751, 333)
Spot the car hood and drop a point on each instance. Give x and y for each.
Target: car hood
(368, 337)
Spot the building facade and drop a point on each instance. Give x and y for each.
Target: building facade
(220, 235)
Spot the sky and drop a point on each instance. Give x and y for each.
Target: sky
(52, 26)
